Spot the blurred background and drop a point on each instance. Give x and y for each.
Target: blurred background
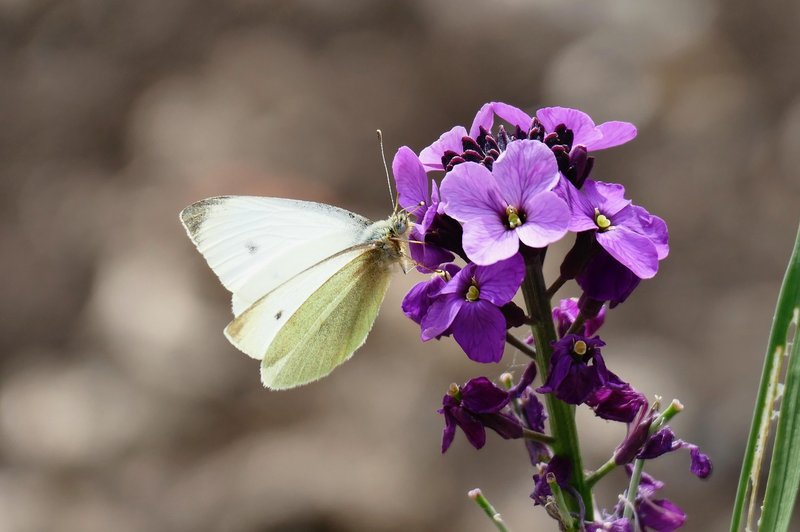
(122, 406)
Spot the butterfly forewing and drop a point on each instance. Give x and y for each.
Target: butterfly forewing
(254, 244)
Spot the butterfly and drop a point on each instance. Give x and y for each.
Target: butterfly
(308, 279)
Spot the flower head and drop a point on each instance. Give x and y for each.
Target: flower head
(474, 407)
(417, 301)
(577, 369)
(617, 401)
(470, 304)
(630, 234)
(513, 203)
(580, 129)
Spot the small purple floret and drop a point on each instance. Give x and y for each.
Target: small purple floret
(475, 407)
(469, 306)
(577, 369)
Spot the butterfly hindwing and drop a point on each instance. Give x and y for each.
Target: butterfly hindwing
(327, 327)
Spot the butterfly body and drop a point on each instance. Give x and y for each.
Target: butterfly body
(307, 278)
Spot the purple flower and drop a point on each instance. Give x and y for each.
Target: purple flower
(475, 407)
(664, 441)
(567, 312)
(469, 307)
(659, 515)
(558, 466)
(605, 279)
(577, 369)
(513, 203)
(630, 234)
(420, 197)
(478, 145)
(534, 415)
(582, 129)
(617, 401)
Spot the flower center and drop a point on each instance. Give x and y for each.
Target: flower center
(473, 294)
(514, 217)
(601, 220)
(454, 391)
(580, 348)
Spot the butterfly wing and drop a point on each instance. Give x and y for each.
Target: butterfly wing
(256, 245)
(326, 328)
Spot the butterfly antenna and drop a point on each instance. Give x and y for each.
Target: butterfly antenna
(386, 169)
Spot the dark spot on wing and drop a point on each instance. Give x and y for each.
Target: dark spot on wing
(278, 315)
(252, 248)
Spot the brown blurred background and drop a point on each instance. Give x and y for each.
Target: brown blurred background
(123, 408)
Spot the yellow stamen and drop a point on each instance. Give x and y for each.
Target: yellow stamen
(513, 217)
(601, 220)
(580, 348)
(473, 294)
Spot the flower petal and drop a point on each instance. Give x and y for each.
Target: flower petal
(525, 169)
(431, 157)
(580, 123)
(411, 181)
(634, 251)
(473, 429)
(481, 396)
(428, 256)
(547, 220)
(499, 282)
(449, 431)
(480, 330)
(487, 240)
(612, 134)
(608, 197)
(470, 191)
(440, 316)
(485, 117)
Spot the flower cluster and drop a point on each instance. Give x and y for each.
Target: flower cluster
(487, 201)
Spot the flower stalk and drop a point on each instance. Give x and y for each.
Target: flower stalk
(561, 415)
(484, 504)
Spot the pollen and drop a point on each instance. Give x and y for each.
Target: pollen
(473, 294)
(580, 348)
(514, 219)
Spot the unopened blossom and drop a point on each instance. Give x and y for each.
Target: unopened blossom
(470, 306)
(577, 369)
(474, 407)
(512, 204)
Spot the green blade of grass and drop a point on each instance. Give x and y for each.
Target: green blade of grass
(782, 483)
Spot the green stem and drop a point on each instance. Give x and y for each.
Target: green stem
(564, 515)
(519, 344)
(529, 434)
(577, 325)
(484, 504)
(561, 415)
(633, 487)
(601, 471)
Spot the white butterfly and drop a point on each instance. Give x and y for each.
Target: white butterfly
(307, 278)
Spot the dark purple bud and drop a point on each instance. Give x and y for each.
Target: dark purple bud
(447, 157)
(472, 156)
(536, 132)
(661, 442)
(579, 255)
(470, 144)
(514, 315)
(701, 463)
(503, 424)
(605, 279)
(524, 381)
(580, 166)
(633, 442)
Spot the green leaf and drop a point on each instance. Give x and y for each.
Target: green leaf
(784, 472)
